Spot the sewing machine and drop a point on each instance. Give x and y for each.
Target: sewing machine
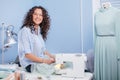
(78, 64)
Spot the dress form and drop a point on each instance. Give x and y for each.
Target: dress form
(107, 32)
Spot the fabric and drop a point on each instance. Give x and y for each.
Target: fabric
(29, 42)
(118, 43)
(44, 69)
(107, 31)
(50, 69)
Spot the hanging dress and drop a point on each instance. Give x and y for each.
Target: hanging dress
(106, 44)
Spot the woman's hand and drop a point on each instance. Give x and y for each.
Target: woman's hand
(48, 61)
(52, 57)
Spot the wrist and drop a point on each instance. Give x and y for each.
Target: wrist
(52, 56)
(42, 60)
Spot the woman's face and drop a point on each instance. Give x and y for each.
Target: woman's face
(37, 17)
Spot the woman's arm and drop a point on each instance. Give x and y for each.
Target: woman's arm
(38, 59)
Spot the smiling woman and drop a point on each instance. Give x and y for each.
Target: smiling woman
(31, 37)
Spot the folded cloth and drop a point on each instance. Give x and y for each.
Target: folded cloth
(44, 69)
(4, 74)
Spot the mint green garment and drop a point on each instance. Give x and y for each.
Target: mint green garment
(4, 74)
(118, 43)
(43, 69)
(107, 33)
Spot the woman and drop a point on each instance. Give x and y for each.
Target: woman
(33, 33)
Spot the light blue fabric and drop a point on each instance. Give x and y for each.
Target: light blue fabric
(29, 42)
(4, 74)
(44, 69)
(107, 31)
(118, 43)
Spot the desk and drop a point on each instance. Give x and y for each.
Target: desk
(33, 76)
(88, 76)
(30, 76)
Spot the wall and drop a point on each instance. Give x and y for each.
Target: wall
(12, 13)
(64, 35)
(87, 25)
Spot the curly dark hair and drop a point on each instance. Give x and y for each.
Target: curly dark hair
(44, 26)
